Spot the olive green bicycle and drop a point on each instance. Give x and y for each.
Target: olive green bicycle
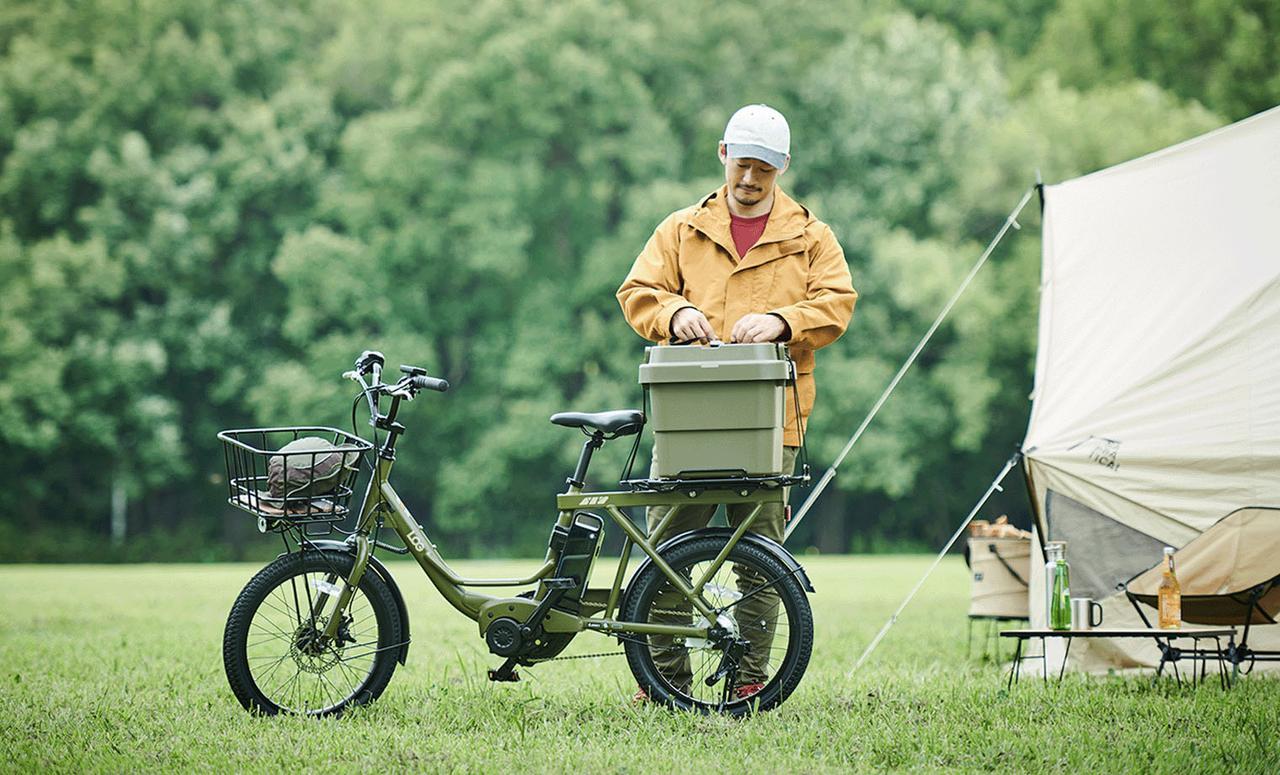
(715, 619)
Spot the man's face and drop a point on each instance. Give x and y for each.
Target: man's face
(750, 181)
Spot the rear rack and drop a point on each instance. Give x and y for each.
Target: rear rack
(743, 483)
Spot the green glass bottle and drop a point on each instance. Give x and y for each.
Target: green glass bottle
(1057, 587)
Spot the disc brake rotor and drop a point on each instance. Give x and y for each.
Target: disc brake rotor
(309, 650)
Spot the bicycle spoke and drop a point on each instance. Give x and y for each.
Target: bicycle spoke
(338, 696)
(296, 618)
(270, 669)
(767, 585)
(257, 643)
(355, 678)
(267, 624)
(266, 656)
(287, 685)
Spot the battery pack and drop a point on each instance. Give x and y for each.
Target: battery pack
(578, 545)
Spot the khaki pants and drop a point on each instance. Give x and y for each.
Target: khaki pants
(756, 617)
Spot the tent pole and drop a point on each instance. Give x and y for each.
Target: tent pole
(1010, 222)
(995, 485)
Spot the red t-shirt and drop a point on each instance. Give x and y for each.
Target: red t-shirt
(746, 231)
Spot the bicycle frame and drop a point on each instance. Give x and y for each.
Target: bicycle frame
(382, 499)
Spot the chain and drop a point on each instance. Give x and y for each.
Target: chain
(620, 637)
(582, 656)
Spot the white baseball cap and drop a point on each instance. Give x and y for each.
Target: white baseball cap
(758, 132)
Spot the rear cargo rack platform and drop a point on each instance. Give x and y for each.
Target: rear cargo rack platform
(741, 484)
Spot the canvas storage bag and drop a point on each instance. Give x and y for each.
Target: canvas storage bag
(1001, 569)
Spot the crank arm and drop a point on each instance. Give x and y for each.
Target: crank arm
(532, 626)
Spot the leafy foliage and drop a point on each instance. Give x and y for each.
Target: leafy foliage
(1224, 54)
(207, 210)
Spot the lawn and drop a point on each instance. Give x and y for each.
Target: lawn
(119, 668)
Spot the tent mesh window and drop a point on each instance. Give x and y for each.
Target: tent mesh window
(1103, 553)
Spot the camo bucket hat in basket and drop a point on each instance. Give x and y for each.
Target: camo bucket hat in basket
(308, 467)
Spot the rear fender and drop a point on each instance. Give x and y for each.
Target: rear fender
(381, 571)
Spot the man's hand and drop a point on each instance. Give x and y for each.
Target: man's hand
(759, 328)
(689, 324)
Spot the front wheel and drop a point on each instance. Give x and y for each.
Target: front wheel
(276, 655)
(760, 606)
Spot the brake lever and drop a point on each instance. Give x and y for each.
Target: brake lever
(368, 391)
(400, 389)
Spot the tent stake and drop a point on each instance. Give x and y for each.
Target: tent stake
(1010, 222)
(995, 485)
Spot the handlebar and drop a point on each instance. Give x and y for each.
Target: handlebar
(422, 382)
(406, 388)
(416, 378)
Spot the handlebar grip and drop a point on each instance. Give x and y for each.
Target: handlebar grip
(430, 383)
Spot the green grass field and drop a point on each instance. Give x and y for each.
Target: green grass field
(119, 668)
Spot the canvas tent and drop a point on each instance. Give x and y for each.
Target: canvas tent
(1156, 407)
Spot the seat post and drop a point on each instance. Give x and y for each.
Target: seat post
(589, 447)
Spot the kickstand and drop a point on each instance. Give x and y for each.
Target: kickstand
(728, 670)
(506, 673)
(730, 678)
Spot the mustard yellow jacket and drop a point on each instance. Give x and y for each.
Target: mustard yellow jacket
(797, 271)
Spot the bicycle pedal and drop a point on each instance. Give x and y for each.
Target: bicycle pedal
(500, 676)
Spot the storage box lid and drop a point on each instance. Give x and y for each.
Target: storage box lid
(715, 363)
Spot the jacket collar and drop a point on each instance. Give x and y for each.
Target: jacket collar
(787, 221)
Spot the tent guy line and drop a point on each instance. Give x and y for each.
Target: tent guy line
(994, 487)
(1010, 222)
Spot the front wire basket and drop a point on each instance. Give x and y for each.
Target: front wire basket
(284, 489)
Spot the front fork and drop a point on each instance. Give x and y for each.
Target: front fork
(363, 552)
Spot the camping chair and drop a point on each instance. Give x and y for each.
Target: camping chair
(1229, 575)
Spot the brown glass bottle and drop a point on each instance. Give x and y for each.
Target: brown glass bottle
(1170, 595)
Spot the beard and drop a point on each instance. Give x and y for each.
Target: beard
(748, 196)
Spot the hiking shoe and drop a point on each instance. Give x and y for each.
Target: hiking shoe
(747, 690)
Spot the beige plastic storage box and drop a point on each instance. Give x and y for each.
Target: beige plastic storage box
(716, 410)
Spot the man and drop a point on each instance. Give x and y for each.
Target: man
(745, 264)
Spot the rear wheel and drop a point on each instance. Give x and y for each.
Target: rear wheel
(759, 604)
(274, 650)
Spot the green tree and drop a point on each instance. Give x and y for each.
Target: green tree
(1014, 25)
(1224, 54)
(207, 210)
(153, 157)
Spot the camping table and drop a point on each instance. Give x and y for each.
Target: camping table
(1162, 638)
